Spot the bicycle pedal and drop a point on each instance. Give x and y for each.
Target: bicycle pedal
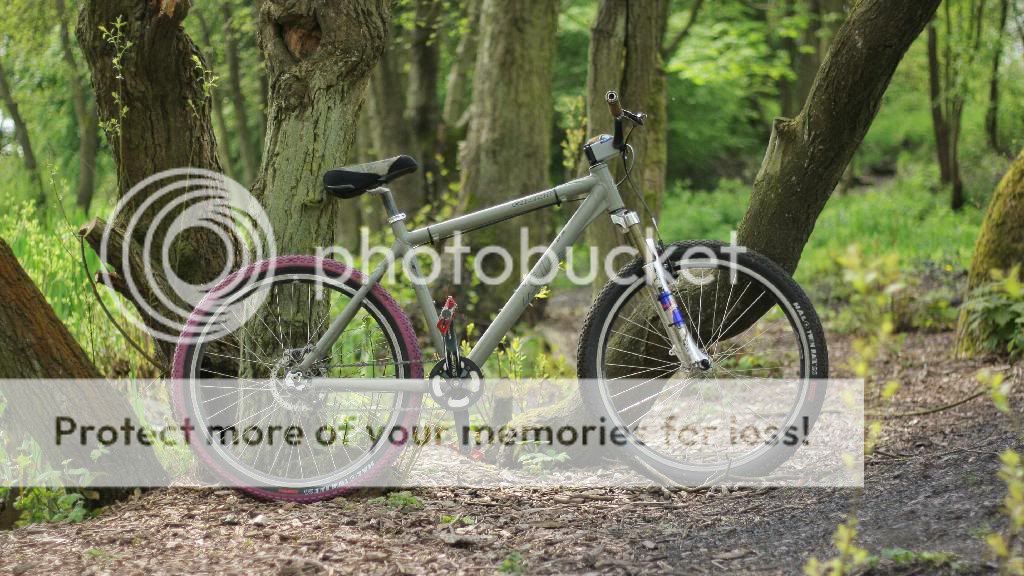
(447, 315)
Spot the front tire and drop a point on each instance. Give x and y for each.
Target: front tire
(630, 379)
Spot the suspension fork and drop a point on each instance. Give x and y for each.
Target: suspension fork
(684, 345)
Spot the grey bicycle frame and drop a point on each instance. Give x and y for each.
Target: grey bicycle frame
(600, 194)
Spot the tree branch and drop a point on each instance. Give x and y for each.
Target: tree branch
(672, 46)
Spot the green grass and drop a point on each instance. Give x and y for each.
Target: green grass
(901, 216)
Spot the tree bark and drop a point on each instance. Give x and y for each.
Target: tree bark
(319, 58)
(21, 136)
(807, 155)
(992, 111)
(947, 88)
(458, 83)
(246, 143)
(455, 112)
(156, 111)
(935, 97)
(85, 115)
(35, 344)
(625, 54)
(1000, 243)
(423, 112)
(507, 147)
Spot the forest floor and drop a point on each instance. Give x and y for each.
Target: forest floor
(930, 487)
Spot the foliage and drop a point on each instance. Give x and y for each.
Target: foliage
(114, 35)
(871, 285)
(541, 460)
(401, 499)
(49, 252)
(851, 558)
(1006, 546)
(920, 560)
(994, 315)
(512, 563)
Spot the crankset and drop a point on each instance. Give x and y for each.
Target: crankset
(456, 383)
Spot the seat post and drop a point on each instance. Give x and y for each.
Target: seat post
(389, 204)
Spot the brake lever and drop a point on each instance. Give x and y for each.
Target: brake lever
(636, 117)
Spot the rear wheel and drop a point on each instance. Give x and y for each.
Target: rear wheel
(767, 350)
(231, 371)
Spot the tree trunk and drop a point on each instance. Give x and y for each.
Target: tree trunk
(390, 134)
(217, 102)
(625, 54)
(319, 57)
(246, 143)
(992, 112)
(807, 155)
(457, 92)
(948, 90)
(21, 136)
(423, 111)
(454, 115)
(507, 147)
(807, 54)
(155, 109)
(85, 116)
(936, 99)
(1000, 243)
(34, 344)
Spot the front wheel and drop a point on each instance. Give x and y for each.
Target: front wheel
(767, 350)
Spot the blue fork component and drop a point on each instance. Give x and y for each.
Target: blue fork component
(666, 304)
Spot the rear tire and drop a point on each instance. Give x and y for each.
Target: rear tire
(189, 371)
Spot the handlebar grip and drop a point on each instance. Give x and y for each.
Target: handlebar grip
(614, 106)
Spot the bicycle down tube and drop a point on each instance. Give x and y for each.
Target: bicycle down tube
(600, 195)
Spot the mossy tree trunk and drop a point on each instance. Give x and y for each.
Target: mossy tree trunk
(319, 57)
(155, 107)
(1000, 243)
(807, 155)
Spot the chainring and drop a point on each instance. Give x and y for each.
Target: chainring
(456, 392)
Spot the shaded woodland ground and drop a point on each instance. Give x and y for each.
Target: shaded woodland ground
(931, 491)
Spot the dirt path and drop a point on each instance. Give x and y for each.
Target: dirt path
(931, 487)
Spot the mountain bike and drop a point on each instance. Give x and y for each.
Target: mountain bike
(300, 336)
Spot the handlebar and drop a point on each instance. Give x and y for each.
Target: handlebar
(614, 106)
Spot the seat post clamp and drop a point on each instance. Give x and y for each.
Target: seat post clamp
(396, 218)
